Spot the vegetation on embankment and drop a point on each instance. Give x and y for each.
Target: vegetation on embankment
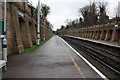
(35, 46)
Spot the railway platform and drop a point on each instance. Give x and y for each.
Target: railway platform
(54, 59)
(112, 44)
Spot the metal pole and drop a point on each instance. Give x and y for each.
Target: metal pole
(5, 36)
(5, 16)
(38, 28)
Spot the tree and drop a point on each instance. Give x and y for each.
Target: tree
(68, 21)
(93, 14)
(45, 10)
(89, 14)
(103, 18)
(84, 12)
(117, 13)
(80, 20)
(62, 27)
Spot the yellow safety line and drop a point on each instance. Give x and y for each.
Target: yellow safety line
(77, 67)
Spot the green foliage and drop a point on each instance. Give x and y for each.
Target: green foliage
(45, 10)
(35, 46)
(30, 49)
(41, 43)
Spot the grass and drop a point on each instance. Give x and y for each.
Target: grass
(30, 49)
(35, 46)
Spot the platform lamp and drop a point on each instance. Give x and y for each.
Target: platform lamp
(5, 36)
(38, 28)
(4, 40)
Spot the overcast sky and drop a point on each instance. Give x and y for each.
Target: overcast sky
(68, 9)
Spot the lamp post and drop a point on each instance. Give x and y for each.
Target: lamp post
(38, 28)
(5, 36)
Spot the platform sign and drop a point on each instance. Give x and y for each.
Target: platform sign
(116, 26)
(20, 14)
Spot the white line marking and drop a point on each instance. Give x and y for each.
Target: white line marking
(95, 69)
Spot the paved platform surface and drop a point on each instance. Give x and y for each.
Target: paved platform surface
(114, 44)
(54, 59)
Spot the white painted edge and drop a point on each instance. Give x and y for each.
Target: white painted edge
(94, 68)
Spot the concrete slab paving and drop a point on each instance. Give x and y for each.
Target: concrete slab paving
(54, 59)
(109, 43)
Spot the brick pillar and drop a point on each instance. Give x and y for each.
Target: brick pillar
(93, 36)
(42, 29)
(26, 33)
(46, 30)
(90, 34)
(33, 32)
(79, 34)
(84, 34)
(87, 34)
(98, 35)
(102, 36)
(41, 33)
(114, 36)
(119, 35)
(13, 33)
(107, 35)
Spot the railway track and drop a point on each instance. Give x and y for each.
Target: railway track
(108, 59)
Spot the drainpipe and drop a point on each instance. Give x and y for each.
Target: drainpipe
(5, 36)
(38, 28)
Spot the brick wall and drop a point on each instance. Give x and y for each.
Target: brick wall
(22, 31)
(106, 32)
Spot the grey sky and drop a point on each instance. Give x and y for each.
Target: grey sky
(68, 9)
